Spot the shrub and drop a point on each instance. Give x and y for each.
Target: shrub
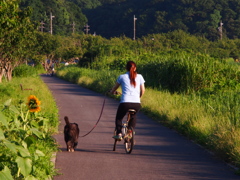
(25, 71)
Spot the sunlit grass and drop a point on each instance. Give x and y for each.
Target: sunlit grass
(177, 110)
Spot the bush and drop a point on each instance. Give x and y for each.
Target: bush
(25, 71)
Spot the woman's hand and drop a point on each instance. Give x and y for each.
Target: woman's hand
(115, 87)
(115, 92)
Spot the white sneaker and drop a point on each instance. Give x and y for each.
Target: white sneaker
(118, 137)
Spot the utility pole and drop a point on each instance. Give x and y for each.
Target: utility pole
(220, 30)
(86, 26)
(73, 27)
(51, 27)
(42, 26)
(134, 27)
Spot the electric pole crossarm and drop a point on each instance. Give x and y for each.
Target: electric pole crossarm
(73, 27)
(87, 30)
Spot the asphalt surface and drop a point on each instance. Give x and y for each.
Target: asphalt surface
(159, 153)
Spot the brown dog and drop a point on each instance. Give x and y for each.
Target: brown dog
(71, 134)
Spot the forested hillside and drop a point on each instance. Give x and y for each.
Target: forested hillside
(110, 18)
(200, 17)
(67, 16)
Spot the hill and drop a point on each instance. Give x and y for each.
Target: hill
(159, 16)
(110, 18)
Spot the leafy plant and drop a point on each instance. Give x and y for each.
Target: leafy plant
(25, 142)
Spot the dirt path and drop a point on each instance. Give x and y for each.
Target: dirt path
(159, 153)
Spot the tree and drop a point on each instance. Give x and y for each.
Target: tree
(70, 49)
(47, 46)
(16, 36)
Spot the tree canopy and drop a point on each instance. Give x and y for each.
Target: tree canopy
(16, 36)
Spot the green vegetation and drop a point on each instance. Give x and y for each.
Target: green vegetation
(16, 37)
(65, 15)
(27, 145)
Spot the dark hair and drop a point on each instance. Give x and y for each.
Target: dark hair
(131, 67)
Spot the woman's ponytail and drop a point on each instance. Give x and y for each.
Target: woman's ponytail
(131, 67)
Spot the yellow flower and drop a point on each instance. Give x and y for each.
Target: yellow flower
(33, 104)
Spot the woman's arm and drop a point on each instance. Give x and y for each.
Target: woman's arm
(142, 90)
(115, 87)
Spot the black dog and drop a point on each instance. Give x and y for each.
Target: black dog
(71, 134)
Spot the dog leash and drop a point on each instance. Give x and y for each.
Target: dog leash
(97, 120)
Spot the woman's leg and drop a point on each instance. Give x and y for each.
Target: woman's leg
(121, 112)
(137, 107)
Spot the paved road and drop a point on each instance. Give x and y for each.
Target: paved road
(159, 154)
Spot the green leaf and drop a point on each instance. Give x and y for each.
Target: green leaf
(1, 135)
(37, 132)
(8, 103)
(6, 174)
(14, 109)
(39, 153)
(25, 165)
(35, 124)
(17, 123)
(3, 119)
(23, 152)
(24, 144)
(10, 146)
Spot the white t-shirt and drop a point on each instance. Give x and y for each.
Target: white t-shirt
(130, 93)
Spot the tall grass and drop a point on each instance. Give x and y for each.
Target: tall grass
(187, 73)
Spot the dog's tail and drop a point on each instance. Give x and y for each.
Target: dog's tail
(66, 120)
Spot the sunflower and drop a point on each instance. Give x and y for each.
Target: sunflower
(33, 104)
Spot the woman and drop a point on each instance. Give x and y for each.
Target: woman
(133, 88)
